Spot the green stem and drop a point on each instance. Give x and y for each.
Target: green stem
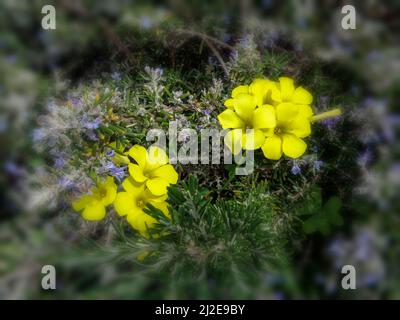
(326, 115)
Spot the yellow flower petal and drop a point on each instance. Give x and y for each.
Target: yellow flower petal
(272, 147)
(276, 96)
(110, 189)
(253, 139)
(157, 186)
(268, 132)
(300, 127)
(239, 90)
(141, 221)
(229, 120)
(244, 107)
(286, 112)
(132, 186)
(286, 87)
(305, 111)
(153, 198)
(302, 96)
(166, 172)
(143, 255)
(136, 173)
(163, 206)
(125, 203)
(233, 140)
(94, 211)
(156, 157)
(229, 103)
(264, 117)
(293, 146)
(82, 202)
(139, 154)
(260, 88)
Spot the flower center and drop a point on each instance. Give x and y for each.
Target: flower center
(140, 203)
(278, 130)
(103, 193)
(100, 193)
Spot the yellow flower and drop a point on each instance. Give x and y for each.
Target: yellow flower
(285, 91)
(247, 122)
(261, 89)
(277, 115)
(93, 205)
(292, 124)
(152, 169)
(133, 200)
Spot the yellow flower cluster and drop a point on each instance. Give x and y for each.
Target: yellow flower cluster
(273, 116)
(149, 178)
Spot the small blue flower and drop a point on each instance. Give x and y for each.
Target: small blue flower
(66, 183)
(234, 55)
(145, 22)
(38, 134)
(13, 169)
(119, 173)
(318, 164)
(75, 101)
(109, 167)
(92, 135)
(59, 162)
(331, 123)
(90, 123)
(116, 76)
(11, 59)
(295, 169)
(365, 158)
(110, 153)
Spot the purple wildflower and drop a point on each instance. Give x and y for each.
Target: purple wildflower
(318, 164)
(66, 183)
(116, 76)
(295, 169)
(92, 135)
(13, 169)
(90, 123)
(110, 153)
(234, 55)
(59, 162)
(330, 123)
(110, 168)
(145, 22)
(364, 158)
(38, 134)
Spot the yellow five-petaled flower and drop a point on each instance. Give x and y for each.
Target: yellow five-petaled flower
(93, 205)
(131, 203)
(149, 178)
(152, 169)
(273, 116)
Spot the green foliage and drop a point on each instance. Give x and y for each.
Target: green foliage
(217, 235)
(325, 217)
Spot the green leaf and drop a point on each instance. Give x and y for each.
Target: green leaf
(323, 221)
